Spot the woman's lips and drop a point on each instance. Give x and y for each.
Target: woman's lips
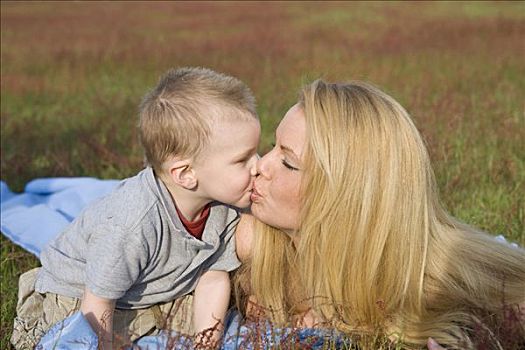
(255, 196)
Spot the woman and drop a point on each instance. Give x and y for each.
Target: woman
(356, 237)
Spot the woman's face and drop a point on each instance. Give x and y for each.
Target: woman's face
(276, 192)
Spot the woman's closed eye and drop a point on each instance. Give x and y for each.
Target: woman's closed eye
(285, 162)
(288, 166)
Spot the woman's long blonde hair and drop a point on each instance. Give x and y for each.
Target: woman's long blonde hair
(377, 251)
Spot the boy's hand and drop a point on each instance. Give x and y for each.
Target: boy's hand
(210, 303)
(99, 312)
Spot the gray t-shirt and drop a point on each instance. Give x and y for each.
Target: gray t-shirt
(131, 246)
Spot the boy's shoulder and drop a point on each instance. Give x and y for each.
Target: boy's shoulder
(222, 215)
(130, 200)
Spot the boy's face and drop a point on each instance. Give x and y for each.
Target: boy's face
(226, 168)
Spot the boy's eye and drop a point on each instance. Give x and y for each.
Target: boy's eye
(288, 166)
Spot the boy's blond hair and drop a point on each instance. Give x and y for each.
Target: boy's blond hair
(176, 116)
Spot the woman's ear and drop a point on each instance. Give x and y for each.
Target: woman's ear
(182, 173)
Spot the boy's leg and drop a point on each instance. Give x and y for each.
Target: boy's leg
(130, 325)
(29, 311)
(179, 315)
(36, 312)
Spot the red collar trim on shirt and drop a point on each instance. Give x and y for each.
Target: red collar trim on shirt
(195, 228)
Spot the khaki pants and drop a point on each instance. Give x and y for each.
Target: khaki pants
(37, 313)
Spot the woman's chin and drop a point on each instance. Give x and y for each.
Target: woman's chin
(257, 211)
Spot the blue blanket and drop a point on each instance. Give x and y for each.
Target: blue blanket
(32, 218)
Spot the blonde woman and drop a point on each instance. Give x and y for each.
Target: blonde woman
(354, 236)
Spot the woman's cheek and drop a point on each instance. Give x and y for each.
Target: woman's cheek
(290, 200)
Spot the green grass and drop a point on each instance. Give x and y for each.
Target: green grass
(72, 75)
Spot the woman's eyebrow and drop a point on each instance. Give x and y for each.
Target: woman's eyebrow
(290, 151)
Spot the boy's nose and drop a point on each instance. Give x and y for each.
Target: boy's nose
(253, 169)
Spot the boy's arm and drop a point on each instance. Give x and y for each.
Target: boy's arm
(99, 312)
(210, 303)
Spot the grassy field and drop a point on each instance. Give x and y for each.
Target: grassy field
(73, 73)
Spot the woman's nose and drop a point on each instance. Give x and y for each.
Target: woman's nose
(261, 167)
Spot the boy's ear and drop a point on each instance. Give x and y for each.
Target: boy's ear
(182, 173)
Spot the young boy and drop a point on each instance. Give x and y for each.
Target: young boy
(127, 260)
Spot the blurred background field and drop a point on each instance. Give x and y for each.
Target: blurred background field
(73, 73)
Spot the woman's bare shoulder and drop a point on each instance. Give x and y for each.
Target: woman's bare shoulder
(244, 236)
